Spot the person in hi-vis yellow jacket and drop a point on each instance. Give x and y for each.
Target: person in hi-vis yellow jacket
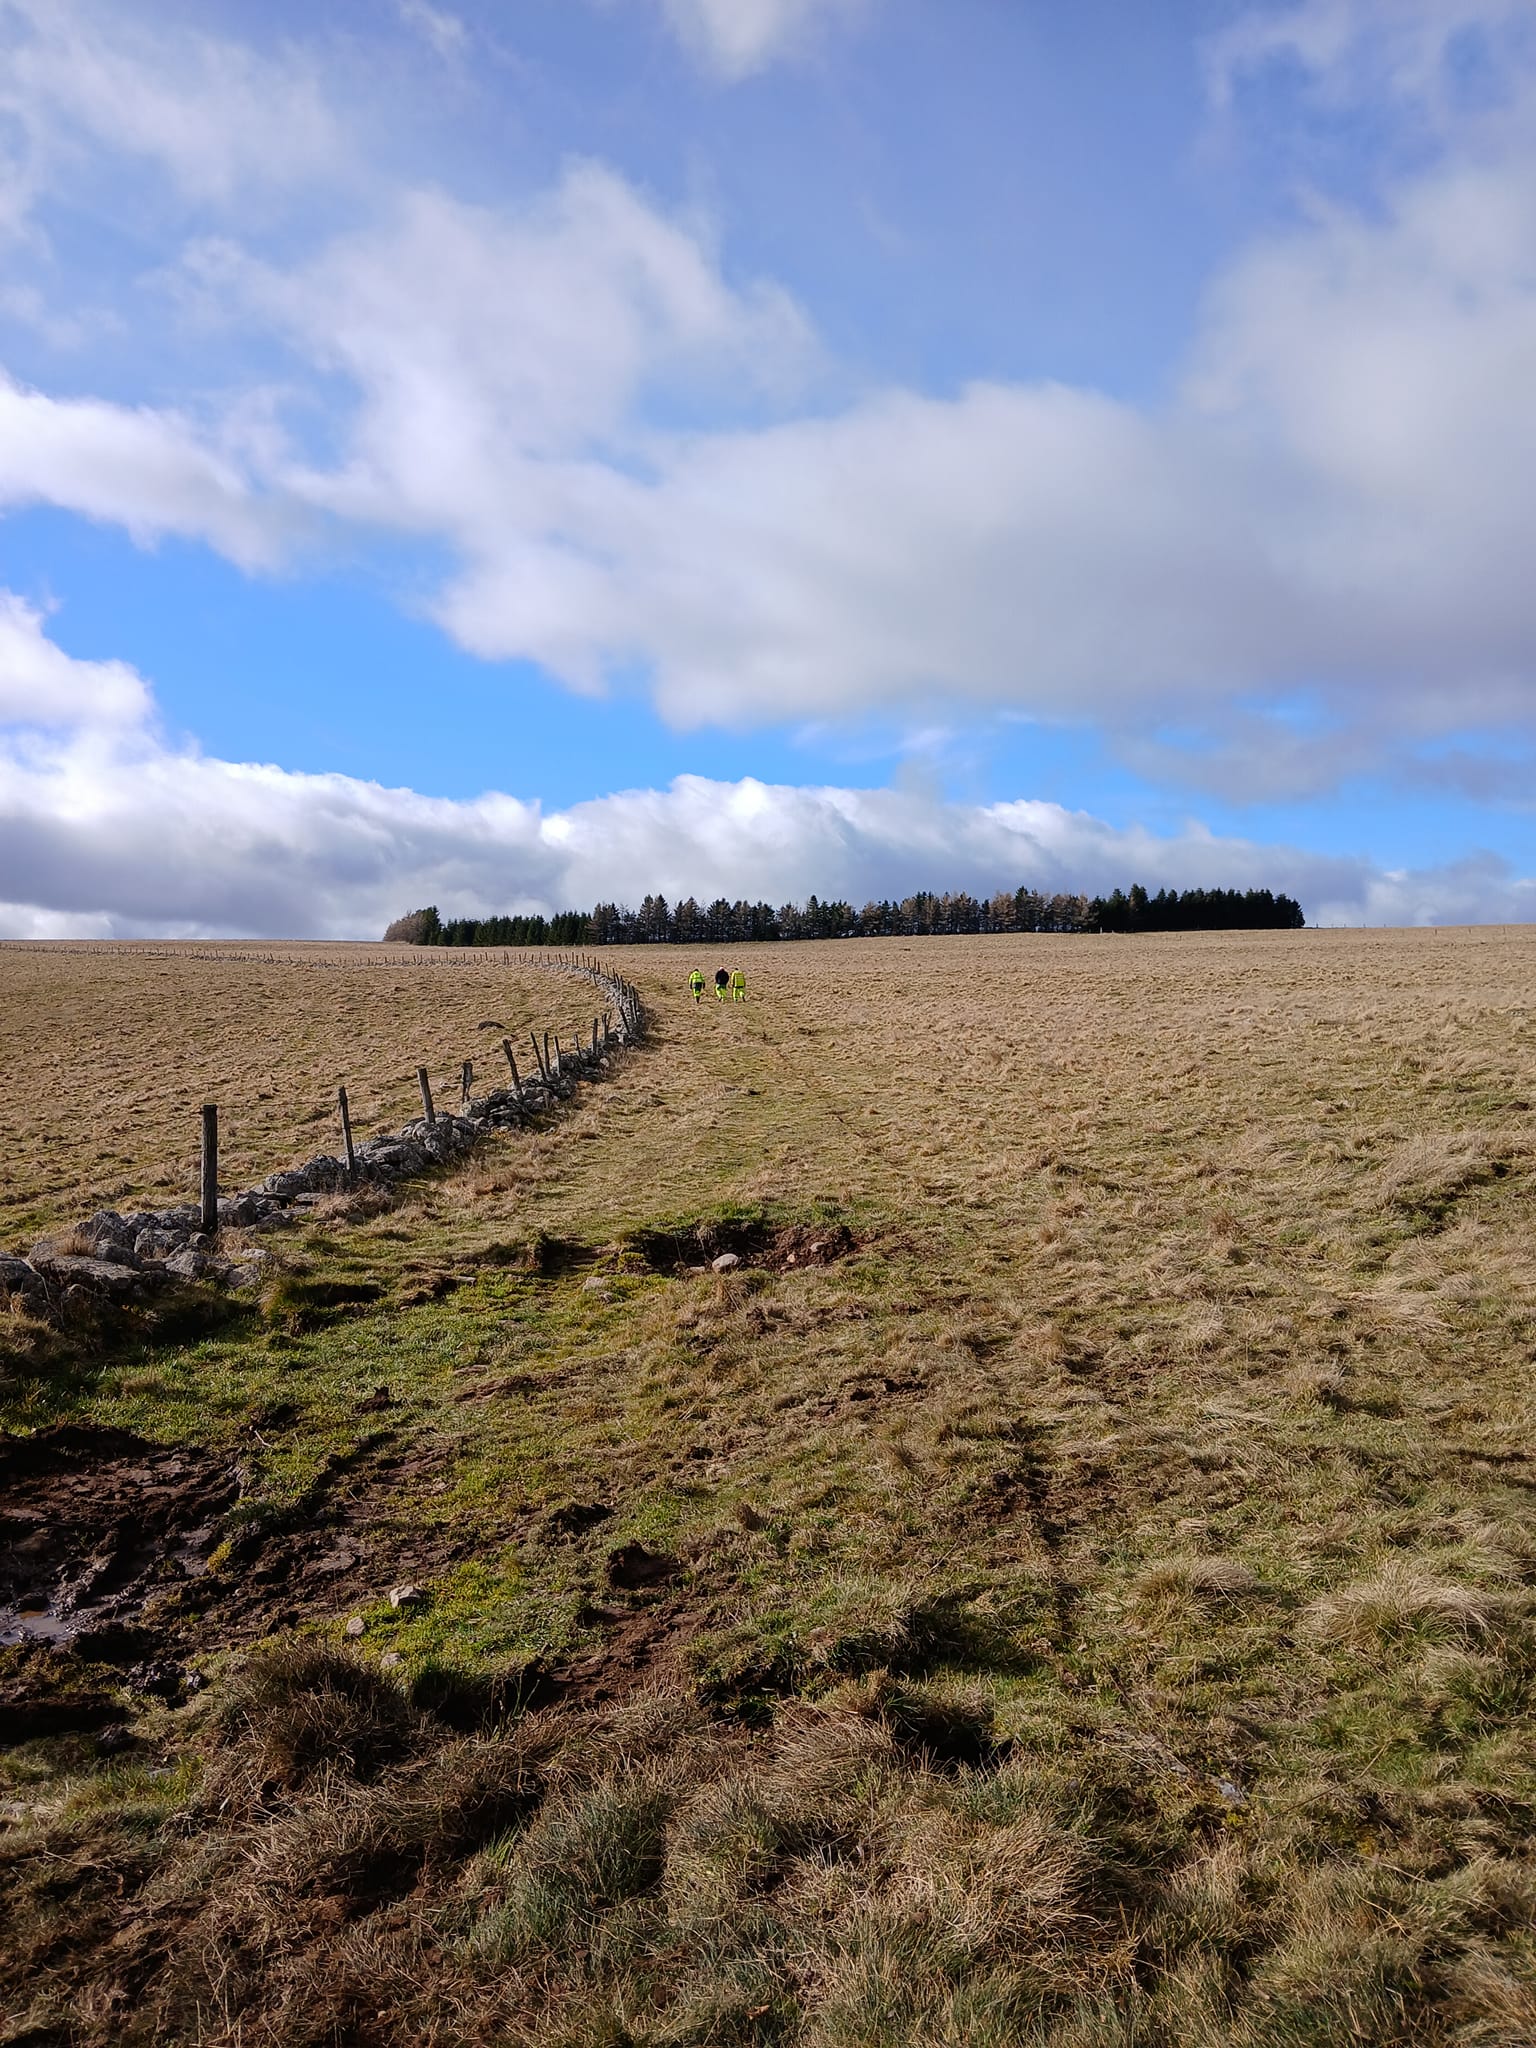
(696, 986)
(738, 986)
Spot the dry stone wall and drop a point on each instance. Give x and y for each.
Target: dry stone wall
(130, 1257)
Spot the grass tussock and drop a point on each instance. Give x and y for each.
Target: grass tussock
(647, 1874)
(1402, 1600)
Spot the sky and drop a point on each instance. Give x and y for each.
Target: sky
(526, 452)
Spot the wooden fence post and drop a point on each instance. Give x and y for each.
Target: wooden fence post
(466, 1082)
(426, 1097)
(594, 1038)
(506, 1046)
(346, 1133)
(208, 1207)
(547, 1070)
(538, 1057)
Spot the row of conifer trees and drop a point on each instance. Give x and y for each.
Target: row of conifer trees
(658, 922)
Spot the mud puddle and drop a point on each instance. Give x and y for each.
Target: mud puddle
(94, 1523)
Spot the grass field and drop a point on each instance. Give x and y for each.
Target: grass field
(1074, 1582)
(110, 1054)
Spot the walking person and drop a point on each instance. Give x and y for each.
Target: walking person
(722, 983)
(738, 986)
(696, 986)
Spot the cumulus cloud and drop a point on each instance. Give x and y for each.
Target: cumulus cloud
(151, 471)
(1333, 508)
(41, 685)
(107, 830)
(734, 38)
(610, 437)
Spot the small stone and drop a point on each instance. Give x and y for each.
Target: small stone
(726, 1263)
(337, 1561)
(187, 1265)
(355, 1625)
(391, 1661)
(598, 1284)
(406, 1596)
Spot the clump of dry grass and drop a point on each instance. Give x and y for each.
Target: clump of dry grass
(1194, 1583)
(1402, 1599)
(1433, 1167)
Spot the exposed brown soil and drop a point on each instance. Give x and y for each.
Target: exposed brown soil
(96, 1523)
(772, 1248)
(642, 1648)
(116, 1563)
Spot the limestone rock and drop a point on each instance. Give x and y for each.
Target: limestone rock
(95, 1276)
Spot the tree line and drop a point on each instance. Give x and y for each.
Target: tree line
(688, 923)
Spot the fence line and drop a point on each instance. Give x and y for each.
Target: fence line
(130, 1254)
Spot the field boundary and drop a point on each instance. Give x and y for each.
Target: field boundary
(122, 1259)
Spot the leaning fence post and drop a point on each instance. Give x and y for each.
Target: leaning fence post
(208, 1208)
(346, 1133)
(594, 1038)
(506, 1046)
(547, 1068)
(538, 1057)
(466, 1081)
(426, 1097)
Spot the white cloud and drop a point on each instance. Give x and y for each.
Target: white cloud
(1355, 49)
(445, 32)
(40, 685)
(609, 434)
(152, 472)
(734, 38)
(104, 829)
(1334, 507)
(218, 117)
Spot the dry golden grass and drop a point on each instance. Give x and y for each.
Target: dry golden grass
(109, 1051)
(1103, 1605)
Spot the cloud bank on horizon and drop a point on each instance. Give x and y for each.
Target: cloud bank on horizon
(610, 449)
(100, 810)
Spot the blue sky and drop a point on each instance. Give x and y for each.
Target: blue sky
(507, 454)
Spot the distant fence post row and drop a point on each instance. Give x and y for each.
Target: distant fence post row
(624, 995)
(438, 1138)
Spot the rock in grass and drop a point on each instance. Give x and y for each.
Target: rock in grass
(406, 1596)
(355, 1625)
(17, 1277)
(95, 1276)
(726, 1263)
